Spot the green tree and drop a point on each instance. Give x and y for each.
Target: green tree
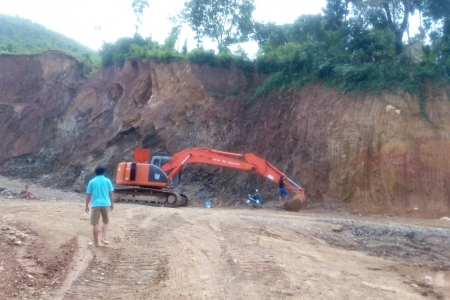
(227, 22)
(434, 13)
(393, 14)
(138, 9)
(367, 43)
(271, 34)
(335, 13)
(193, 15)
(116, 53)
(172, 38)
(184, 50)
(435, 9)
(307, 28)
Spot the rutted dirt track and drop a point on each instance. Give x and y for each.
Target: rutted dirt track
(196, 253)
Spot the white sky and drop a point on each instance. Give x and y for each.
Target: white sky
(92, 22)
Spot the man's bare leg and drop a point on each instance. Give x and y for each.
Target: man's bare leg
(95, 231)
(104, 231)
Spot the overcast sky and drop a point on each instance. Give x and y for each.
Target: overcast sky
(93, 22)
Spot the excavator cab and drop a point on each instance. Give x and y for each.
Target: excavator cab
(159, 160)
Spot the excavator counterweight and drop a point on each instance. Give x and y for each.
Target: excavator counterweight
(145, 178)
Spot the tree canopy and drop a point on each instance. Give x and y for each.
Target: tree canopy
(138, 10)
(227, 22)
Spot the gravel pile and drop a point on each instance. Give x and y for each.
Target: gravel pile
(10, 188)
(392, 240)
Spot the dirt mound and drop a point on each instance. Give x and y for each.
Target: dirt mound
(295, 204)
(28, 266)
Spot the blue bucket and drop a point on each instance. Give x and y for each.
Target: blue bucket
(208, 204)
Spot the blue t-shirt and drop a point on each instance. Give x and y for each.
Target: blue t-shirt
(99, 187)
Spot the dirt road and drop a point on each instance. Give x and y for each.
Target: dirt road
(198, 253)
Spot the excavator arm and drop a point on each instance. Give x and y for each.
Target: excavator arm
(246, 162)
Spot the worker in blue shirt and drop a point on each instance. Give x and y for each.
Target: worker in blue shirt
(99, 190)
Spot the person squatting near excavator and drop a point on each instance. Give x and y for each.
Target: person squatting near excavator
(25, 193)
(282, 191)
(100, 190)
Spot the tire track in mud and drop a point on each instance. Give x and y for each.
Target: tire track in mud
(180, 265)
(130, 271)
(222, 261)
(198, 260)
(231, 260)
(80, 261)
(175, 265)
(252, 270)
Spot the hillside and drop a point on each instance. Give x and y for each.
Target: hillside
(22, 36)
(374, 153)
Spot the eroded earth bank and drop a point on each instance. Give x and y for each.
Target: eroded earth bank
(384, 153)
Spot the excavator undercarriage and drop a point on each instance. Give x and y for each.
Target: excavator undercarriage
(149, 196)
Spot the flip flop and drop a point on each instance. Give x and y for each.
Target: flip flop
(105, 242)
(92, 244)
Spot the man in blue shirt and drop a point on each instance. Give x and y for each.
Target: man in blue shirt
(100, 191)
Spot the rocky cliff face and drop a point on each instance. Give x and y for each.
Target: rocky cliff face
(375, 153)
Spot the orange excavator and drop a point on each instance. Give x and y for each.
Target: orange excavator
(148, 177)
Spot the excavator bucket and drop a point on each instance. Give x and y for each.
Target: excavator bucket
(296, 203)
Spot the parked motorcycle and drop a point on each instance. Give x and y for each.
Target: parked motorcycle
(253, 200)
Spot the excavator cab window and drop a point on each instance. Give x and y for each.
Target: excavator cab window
(160, 160)
(164, 159)
(156, 161)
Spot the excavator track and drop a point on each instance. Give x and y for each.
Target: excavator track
(149, 196)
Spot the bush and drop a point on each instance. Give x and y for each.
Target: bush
(201, 57)
(163, 54)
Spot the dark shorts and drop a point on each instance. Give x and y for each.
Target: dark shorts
(282, 192)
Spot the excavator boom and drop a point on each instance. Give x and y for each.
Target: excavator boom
(246, 162)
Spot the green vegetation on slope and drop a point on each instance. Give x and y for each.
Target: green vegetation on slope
(21, 36)
(353, 57)
(138, 47)
(355, 46)
(359, 47)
